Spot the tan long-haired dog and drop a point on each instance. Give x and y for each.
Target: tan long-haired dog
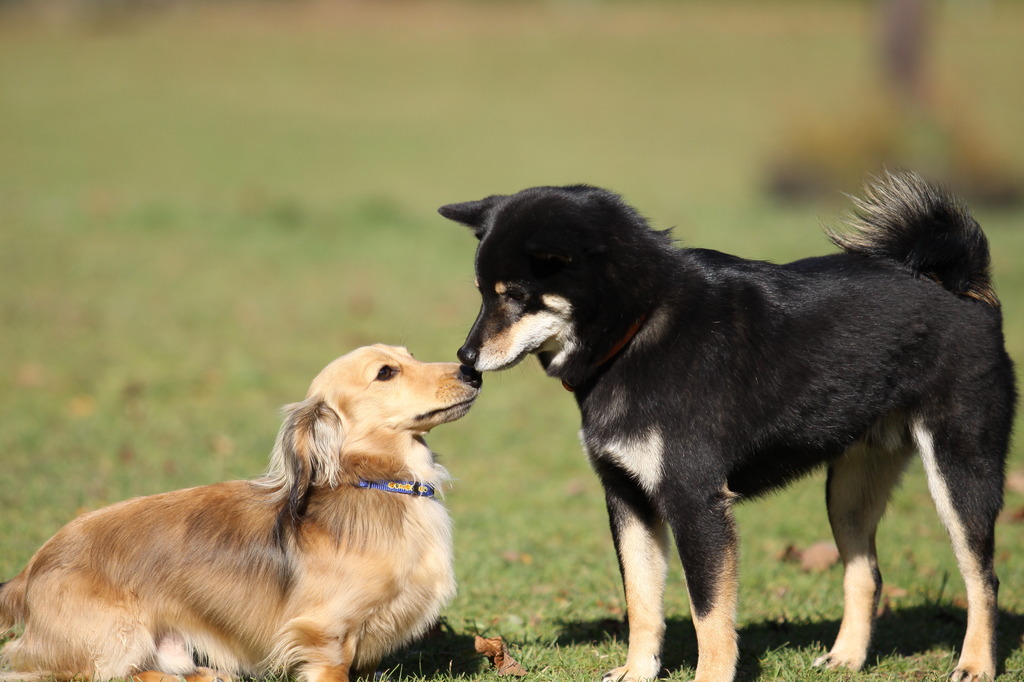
(335, 557)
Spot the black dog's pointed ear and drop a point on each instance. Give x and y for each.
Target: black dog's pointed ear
(472, 214)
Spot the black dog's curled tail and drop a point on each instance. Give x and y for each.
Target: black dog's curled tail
(903, 218)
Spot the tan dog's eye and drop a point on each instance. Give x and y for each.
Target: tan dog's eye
(386, 372)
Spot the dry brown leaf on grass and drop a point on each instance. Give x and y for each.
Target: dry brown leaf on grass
(514, 557)
(818, 557)
(496, 650)
(1015, 481)
(890, 593)
(814, 559)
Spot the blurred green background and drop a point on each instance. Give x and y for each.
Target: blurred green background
(201, 204)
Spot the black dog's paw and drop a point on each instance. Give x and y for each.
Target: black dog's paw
(966, 675)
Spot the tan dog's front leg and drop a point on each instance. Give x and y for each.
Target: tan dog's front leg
(327, 656)
(200, 675)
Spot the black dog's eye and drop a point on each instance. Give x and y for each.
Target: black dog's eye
(545, 264)
(516, 294)
(386, 372)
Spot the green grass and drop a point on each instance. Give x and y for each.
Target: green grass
(200, 208)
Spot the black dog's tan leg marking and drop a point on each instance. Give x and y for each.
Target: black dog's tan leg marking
(967, 499)
(705, 534)
(717, 647)
(858, 489)
(641, 543)
(643, 556)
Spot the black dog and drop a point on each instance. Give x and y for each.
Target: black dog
(704, 379)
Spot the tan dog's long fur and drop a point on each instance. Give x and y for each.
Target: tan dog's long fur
(297, 571)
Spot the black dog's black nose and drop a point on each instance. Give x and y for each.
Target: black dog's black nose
(468, 356)
(470, 376)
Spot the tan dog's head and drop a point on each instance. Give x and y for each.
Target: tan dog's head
(381, 390)
(374, 403)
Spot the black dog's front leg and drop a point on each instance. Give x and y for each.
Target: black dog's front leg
(641, 542)
(705, 534)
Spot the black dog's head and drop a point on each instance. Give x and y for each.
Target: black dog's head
(554, 271)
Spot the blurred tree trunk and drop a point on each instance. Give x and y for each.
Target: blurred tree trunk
(904, 38)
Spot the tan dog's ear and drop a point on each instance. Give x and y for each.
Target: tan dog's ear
(306, 455)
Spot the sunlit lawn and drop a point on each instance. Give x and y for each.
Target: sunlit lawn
(201, 207)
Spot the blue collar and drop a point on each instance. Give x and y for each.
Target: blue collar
(401, 487)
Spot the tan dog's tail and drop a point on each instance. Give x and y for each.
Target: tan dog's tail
(12, 602)
(13, 612)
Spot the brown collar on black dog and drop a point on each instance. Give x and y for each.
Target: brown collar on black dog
(616, 349)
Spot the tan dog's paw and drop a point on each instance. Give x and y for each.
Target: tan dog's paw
(209, 675)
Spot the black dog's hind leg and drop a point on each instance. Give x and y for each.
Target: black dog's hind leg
(965, 478)
(858, 489)
(705, 534)
(641, 542)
